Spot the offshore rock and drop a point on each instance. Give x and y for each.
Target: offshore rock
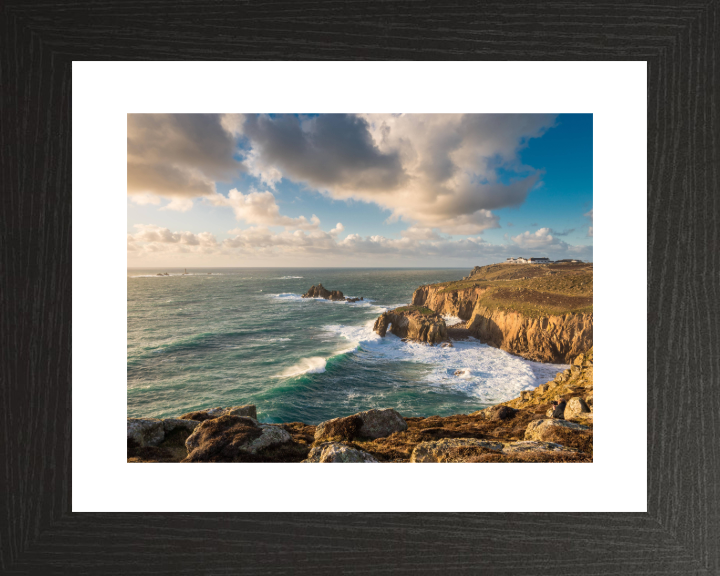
(320, 291)
(414, 323)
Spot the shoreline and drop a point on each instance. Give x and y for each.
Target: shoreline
(519, 430)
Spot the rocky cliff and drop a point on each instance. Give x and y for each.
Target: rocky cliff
(542, 313)
(414, 323)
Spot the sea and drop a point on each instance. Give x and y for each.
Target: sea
(232, 336)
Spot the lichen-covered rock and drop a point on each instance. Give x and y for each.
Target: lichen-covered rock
(369, 424)
(381, 423)
(272, 435)
(453, 449)
(345, 428)
(335, 452)
(145, 431)
(533, 446)
(502, 413)
(176, 424)
(541, 429)
(413, 323)
(222, 439)
(248, 410)
(575, 407)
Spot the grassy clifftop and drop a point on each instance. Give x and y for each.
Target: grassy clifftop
(532, 289)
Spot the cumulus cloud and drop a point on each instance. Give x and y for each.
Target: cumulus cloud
(541, 239)
(260, 208)
(436, 170)
(260, 241)
(337, 230)
(178, 156)
(151, 239)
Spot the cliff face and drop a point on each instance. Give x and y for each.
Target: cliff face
(556, 338)
(414, 324)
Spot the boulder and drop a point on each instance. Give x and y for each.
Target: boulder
(575, 407)
(175, 424)
(381, 423)
(201, 415)
(145, 431)
(533, 446)
(345, 428)
(335, 452)
(452, 449)
(368, 424)
(579, 360)
(229, 438)
(543, 429)
(501, 413)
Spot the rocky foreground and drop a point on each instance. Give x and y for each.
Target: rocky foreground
(525, 429)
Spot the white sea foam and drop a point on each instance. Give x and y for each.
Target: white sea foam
(287, 278)
(452, 320)
(487, 373)
(313, 365)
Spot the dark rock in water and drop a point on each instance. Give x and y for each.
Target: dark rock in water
(414, 323)
(320, 291)
(353, 299)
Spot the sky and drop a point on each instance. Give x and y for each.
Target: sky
(357, 190)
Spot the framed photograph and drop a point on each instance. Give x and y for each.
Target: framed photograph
(360, 263)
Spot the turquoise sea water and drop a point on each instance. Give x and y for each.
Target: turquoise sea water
(229, 336)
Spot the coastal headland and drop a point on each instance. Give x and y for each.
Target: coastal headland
(540, 312)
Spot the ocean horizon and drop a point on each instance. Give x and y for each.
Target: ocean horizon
(230, 336)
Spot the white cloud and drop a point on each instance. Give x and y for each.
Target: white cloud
(179, 156)
(541, 239)
(260, 241)
(337, 230)
(260, 208)
(153, 239)
(436, 170)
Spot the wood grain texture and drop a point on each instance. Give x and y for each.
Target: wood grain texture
(681, 532)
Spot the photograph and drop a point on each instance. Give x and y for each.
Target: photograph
(360, 288)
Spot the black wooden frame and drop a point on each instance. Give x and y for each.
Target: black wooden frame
(680, 534)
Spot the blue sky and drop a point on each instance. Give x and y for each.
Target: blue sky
(408, 190)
